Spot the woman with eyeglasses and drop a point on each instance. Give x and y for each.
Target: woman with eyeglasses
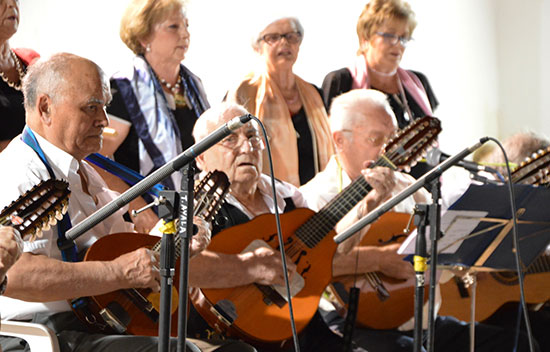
(384, 28)
(291, 109)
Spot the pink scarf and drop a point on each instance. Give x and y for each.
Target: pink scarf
(410, 82)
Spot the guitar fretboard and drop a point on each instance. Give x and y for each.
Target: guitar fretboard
(321, 223)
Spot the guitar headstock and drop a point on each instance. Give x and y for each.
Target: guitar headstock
(403, 151)
(38, 209)
(534, 170)
(210, 193)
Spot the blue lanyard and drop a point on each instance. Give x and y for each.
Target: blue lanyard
(67, 248)
(125, 173)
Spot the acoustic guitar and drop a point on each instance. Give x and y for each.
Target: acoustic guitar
(136, 311)
(384, 302)
(494, 289)
(37, 209)
(259, 313)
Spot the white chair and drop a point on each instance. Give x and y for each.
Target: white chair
(39, 337)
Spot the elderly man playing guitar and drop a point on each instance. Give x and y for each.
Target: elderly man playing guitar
(362, 125)
(65, 99)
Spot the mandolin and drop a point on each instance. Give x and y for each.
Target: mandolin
(259, 313)
(37, 209)
(136, 311)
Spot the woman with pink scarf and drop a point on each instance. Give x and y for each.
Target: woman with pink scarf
(384, 29)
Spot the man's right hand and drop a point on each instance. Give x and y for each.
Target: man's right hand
(265, 266)
(139, 269)
(392, 264)
(11, 247)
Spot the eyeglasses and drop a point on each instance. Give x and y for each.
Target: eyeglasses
(291, 37)
(234, 141)
(375, 141)
(393, 39)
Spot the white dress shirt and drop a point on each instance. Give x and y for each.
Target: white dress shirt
(24, 169)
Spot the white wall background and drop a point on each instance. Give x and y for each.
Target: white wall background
(487, 60)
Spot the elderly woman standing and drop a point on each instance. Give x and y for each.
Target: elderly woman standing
(157, 100)
(13, 65)
(384, 29)
(291, 109)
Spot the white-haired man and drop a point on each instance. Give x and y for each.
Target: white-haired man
(361, 122)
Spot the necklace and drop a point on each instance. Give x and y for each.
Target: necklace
(14, 85)
(173, 88)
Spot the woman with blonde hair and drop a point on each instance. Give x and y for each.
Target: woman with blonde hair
(384, 29)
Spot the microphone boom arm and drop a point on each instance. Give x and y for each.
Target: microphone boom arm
(163, 172)
(390, 203)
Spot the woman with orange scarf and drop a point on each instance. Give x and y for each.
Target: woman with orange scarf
(291, 109)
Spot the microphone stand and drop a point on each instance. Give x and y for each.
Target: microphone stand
(420, 220)
(435, 235)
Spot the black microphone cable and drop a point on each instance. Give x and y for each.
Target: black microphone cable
(515, 238)
(280, 237)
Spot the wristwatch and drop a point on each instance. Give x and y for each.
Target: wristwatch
(3, 285)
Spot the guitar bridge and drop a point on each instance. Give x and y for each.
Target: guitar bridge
(225, 311)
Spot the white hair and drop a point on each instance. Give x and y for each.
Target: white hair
(349, 109)
(269, 19)
(215, 117)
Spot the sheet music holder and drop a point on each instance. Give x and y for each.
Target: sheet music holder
(490, 244)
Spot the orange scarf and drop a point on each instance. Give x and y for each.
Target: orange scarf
(261, 96)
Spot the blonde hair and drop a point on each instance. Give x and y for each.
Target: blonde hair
(376, 12)
(139, 18)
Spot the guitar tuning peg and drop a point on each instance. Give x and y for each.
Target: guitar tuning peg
(52, 220)
(46, 226)
(59, 215)
(35, 233)
(65, 207)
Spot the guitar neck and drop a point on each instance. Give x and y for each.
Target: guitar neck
(321, 223)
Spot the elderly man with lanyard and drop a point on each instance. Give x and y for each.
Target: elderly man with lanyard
(361, 121)
(65, 99)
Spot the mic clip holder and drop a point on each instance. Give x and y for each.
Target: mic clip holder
(175, 206)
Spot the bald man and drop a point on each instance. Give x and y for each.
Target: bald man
(65, 100)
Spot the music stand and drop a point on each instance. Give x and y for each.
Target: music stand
(490, 245)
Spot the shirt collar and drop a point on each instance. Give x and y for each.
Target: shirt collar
(63, 163)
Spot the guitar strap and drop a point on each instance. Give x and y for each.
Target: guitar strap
(68, 248)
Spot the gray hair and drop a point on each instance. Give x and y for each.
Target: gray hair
(214, 117)
(257, 37)
(350, 108)
(49, 76)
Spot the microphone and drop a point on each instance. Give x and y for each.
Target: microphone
(421, 182)
(166, 170)
(436, 156)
